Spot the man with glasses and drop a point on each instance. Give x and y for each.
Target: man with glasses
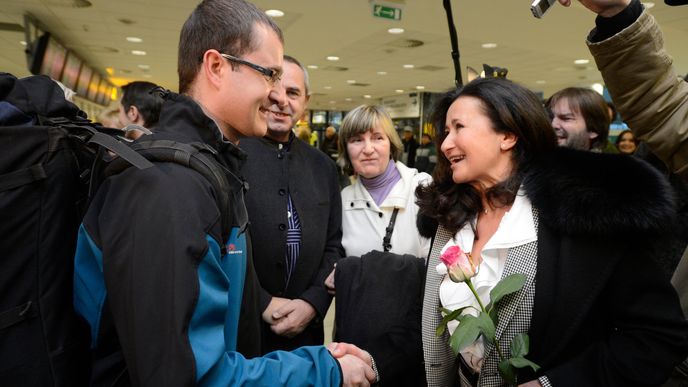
(296, 220)
(168, 301)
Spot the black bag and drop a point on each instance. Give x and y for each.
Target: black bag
(52, 160)
(378, 308)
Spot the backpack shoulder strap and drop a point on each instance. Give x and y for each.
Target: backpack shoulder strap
(200, 157)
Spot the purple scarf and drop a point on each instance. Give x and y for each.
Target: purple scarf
(379, 186)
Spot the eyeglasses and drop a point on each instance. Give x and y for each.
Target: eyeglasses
(272, 76)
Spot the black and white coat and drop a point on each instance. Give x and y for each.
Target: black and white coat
(597, 308)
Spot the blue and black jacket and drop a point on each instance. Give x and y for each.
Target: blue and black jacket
(165, 306)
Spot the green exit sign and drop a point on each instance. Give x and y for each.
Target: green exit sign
(386, 12)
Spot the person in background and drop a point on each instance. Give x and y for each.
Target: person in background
(329, 143)
(426, 155)
(140, 106)
(296, 220)
(505, 192)
(580, 118)
(170, 299)
(626, 142)
(370, 150)
(379, 226)
(408, 156)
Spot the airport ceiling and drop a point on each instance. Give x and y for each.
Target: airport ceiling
(538, 53)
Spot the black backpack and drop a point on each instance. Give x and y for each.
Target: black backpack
(52, 160)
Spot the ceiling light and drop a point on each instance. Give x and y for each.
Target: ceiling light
(144, 66)
(382, 73)
(598, 88)
(348, 99)
(312, 67)
(489, 45)
(367, 96)
(147, 76)
(274, 13)
(396, 30)
(420, 87)
(134, 39)
(540, 82)
(110, 71)
(333, 101)
(332, 58)
(350, 81)
(648, 4)
(327, 87)
(581, 61)
(23, 43)
(138, 52)
(399, 91)
(408, 66)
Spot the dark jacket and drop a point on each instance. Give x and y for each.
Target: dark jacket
(604, 314)
(165, 306)
(310, 177)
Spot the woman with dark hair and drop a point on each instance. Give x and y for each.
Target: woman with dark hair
(626, 142)
(503, 191)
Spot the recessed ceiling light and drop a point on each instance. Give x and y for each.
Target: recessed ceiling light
(332, 58)
(348, 99)
(382, 73)
(420, 87)
(333, 101)
(598, 88)
(399, 91)
(23, 43)
(274, 13)
(138, 52)
(147, 76)
(312, 67)
(367, 96)
(648, 4)
(350, 81)
(144, 66)
(581, 61)
(489, 45)
(134, 39)
(396, 30)
(327, 87)
(109, 70)
(408, 66)
(540, 82)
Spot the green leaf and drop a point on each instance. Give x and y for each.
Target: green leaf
(494, 316)
(465, 334)
(507, 371)
(520, 345)
(486, 326)
(522, 362)
(507, 285)
(449, 315)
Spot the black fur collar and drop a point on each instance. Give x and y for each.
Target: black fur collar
(585, 193)
(578, 192)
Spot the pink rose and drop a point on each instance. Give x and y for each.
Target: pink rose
(460, 267)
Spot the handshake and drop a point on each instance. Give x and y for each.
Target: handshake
(358, 366)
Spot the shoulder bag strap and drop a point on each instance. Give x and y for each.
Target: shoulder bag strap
(386, 245)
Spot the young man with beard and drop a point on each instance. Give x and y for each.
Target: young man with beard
(169, 300)
(296, 220)
(579, 118)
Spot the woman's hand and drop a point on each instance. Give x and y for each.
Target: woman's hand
(329, 281)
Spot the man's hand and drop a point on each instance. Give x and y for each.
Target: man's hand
(292, 317)
(342, 349)
(344, 352)
(274, 305)
(355, 372)
(604, 8)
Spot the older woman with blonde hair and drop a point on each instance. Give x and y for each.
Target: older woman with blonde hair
(382, 195)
